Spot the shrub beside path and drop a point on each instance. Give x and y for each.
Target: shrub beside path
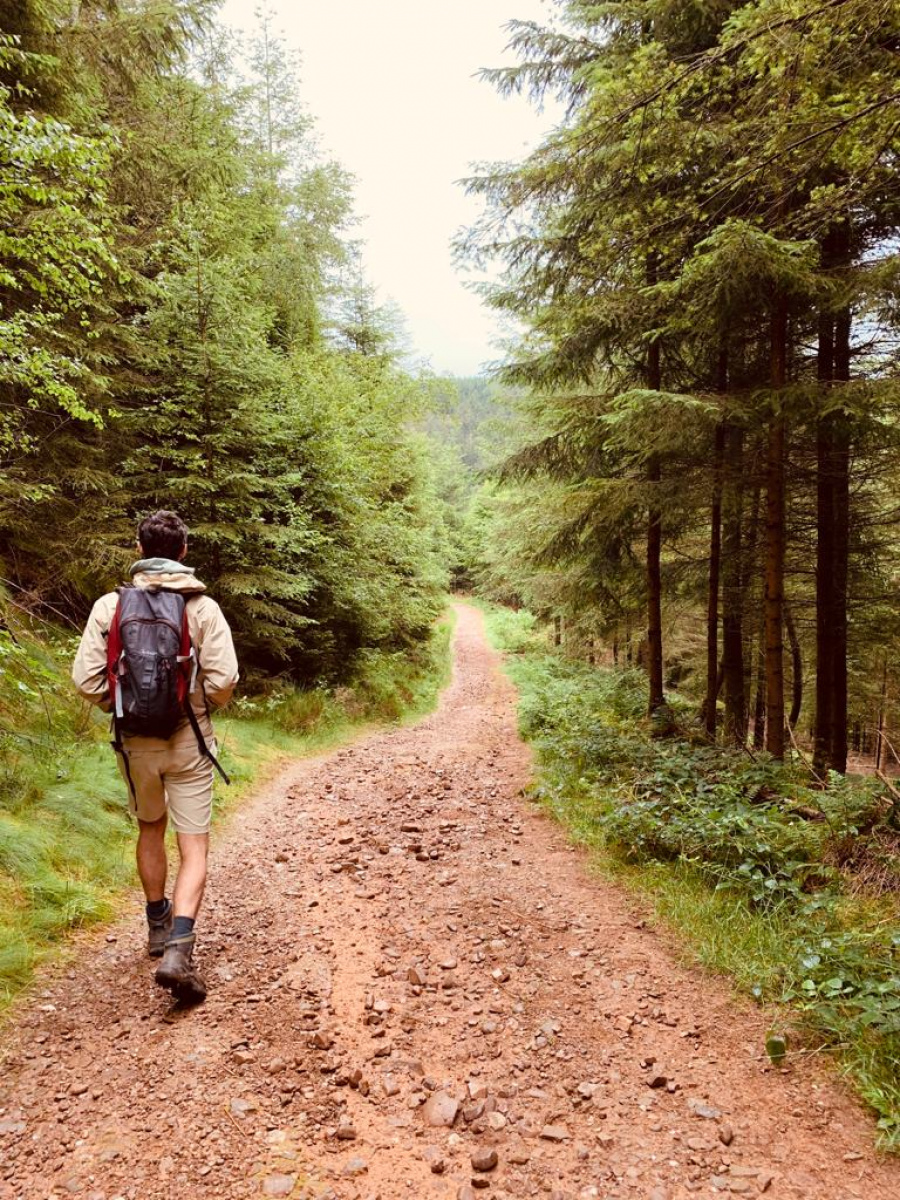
(416, 989)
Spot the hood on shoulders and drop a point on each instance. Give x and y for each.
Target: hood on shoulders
(165, 573)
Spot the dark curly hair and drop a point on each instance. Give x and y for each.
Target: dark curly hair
(162, 535)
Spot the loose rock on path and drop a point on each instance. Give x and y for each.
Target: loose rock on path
(416, 990)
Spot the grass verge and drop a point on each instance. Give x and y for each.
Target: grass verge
(66, 838)
(751, 868)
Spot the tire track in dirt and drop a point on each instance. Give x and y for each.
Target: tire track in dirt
(394, 937)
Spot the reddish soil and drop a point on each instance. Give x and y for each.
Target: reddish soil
(394, 935)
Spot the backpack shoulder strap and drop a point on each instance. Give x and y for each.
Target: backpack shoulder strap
(190, 654)
(113, 668)
(114, 653)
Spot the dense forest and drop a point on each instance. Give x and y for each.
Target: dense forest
(677, 499)
(185, 324)
(704, 257)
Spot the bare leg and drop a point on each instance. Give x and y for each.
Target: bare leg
(151, 858)
(191, 881)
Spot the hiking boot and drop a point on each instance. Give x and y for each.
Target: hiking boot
(160, 930)
(177, 974)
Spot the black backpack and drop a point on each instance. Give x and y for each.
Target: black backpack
(152, 668)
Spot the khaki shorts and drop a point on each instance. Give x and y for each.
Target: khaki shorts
(171, 777)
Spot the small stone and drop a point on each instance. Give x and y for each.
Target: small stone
(346, 1132)
(416, 976)
(389, 1085)
(435, 1159)
(440, 1110)
(244, 1056)
(720, 1182)
(323, 1039)
(466, 1192)
(78, 1089)
(726, 1134)
(484, 1159)
(555, 1133)
(354, 1166)
(496, 1121)
(707, 1111)
(278, 1185)
(656, 1079)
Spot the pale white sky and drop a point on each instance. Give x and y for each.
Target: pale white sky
(392, 88)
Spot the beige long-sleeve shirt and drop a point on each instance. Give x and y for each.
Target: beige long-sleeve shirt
(210, 636)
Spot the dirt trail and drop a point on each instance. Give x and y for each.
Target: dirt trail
(393, 936)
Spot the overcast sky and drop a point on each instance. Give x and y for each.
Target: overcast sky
(393, 90)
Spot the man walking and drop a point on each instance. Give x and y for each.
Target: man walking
(158, 656)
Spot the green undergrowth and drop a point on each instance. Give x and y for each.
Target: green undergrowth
(760, 875)
(66, 838)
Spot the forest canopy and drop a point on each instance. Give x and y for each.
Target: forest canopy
(703, 255)
(184, 323)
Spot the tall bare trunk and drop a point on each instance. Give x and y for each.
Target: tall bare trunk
(654, 538)
(712, 604)
(733, 590)
(842, 327)
(759, 708)
(796, 668)
(775, 541)
(882, 702)
(824, 729)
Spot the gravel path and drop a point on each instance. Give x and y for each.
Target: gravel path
(413, 977)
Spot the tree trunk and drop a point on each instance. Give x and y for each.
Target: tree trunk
(759, 710)
(712, 604)
(654, 597)
(654, 539)
(557, 631)
(832, 561)
(824, 735)
(750, 574)
(833, 437)
(841, 548)
(775, 541)
(879, 742)
(733, 592)
(796, 668)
